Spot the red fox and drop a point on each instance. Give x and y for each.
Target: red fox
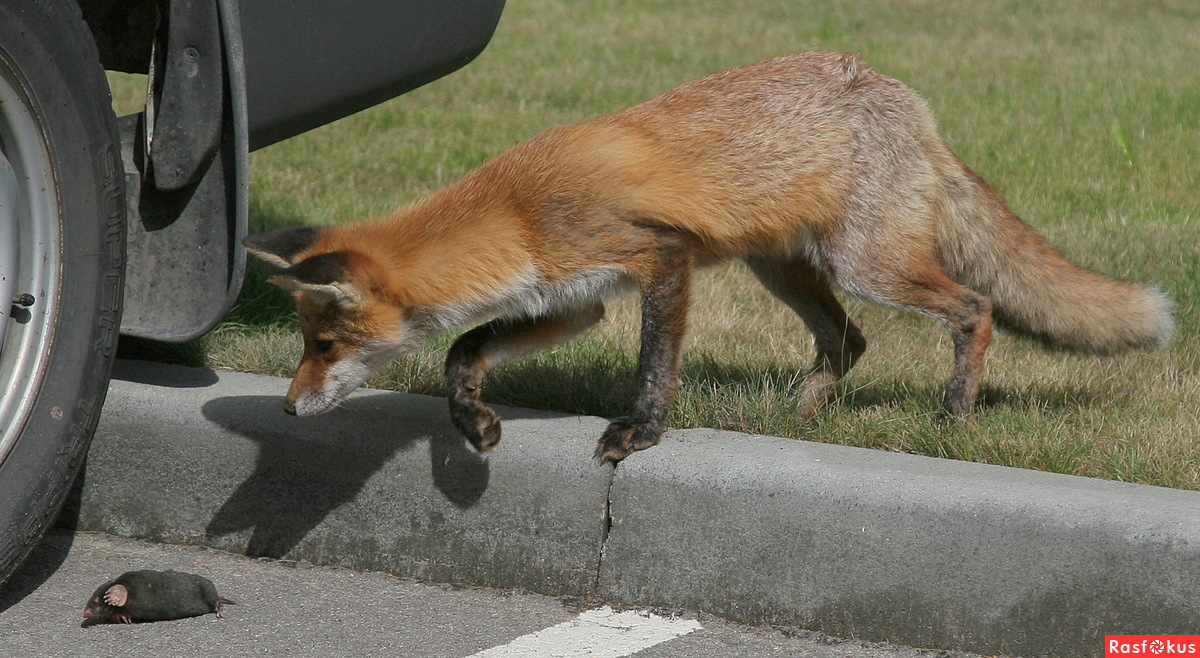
(813, 168)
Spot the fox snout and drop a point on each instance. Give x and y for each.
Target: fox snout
(321, 383)
(311, 402)
(309, 393)
(300, 402)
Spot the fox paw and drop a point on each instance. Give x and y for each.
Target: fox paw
(479, 424)
(625, 437)
(958, 403)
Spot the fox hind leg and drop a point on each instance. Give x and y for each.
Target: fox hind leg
(491, 344)
(838, 341)
(914, 280)
(968, 316)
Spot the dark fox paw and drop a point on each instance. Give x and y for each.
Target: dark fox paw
(625, 437)
(958, 402)
(479, 424)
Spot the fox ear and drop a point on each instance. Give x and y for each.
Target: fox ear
(323, 277)
(282, 247)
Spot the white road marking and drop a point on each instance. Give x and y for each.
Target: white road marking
(600, 633)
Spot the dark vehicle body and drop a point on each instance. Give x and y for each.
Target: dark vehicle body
(248, 73)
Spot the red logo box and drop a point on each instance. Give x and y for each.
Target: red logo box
(1123, 646)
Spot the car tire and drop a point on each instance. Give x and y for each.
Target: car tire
(62, 211)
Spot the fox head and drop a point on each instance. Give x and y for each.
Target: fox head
(351, 329)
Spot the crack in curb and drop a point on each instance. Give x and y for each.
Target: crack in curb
(606, 530)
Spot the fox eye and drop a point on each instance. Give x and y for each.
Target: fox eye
(323, 346)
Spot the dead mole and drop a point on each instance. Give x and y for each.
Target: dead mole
(145, 596)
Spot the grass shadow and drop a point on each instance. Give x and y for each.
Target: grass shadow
(607, 388)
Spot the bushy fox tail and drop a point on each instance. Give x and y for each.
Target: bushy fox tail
(1035, 290)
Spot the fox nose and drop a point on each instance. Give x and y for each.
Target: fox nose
(289, 407)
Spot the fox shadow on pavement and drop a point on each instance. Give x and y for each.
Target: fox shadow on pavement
(309, 467)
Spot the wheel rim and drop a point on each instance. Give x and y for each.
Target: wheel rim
(30, 254)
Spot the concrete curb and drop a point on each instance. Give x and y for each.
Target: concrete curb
(853, 542)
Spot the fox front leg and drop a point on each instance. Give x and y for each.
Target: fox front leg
(665, 300)
(466, 363)
(491, 344)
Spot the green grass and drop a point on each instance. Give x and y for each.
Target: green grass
(1085, 114)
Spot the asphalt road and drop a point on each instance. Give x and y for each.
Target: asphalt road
(290, 609)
